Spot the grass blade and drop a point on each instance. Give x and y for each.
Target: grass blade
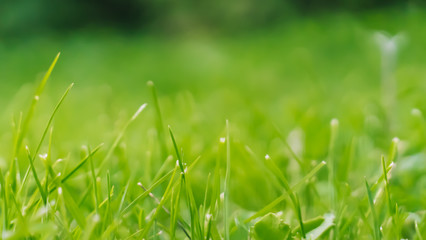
(227, 178)
(40, 188)
(373, 211)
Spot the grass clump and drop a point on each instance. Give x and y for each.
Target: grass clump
(206, 178)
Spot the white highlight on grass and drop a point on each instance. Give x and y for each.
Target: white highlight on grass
(267, 157)
(222, 196)
(222, 139)
(416, 112)
(177, 162)
(140, 184)
(395, 140)
(334, 122)
(296, 140)
(59, 174)
(36, 97)
(208, 216)
(141, 108)
(43, 156)
(185, 170)
(388, 46)
(60, 190)
(96, 218)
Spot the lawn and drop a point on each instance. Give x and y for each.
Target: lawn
(270, 134)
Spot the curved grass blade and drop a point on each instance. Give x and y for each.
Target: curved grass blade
(227, 178)
(119, 137)
(375, 221)
(46, 130)
(40, 188)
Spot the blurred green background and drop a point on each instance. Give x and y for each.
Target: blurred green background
(296, 64)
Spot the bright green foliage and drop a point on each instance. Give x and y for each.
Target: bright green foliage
(101, 163)
(270, 226)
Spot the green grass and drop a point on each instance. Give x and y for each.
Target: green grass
(97, 161)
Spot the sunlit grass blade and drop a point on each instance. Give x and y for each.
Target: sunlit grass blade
(373, 211)
(296, 186)
(160, 205)
(79, 165)
(38, 92)
(227, 182)
(145, 194)
(72, 207)
(179, 159)
(46, 129)
(93, 174)
(5, 201)
(393, 151)
(293, 197)
(40, 188)
(332, 165)
(119, 137)
(159, 120)
(418, 233)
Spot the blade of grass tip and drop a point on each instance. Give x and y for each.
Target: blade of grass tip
(119, 137)
(393, 150)
(293, 197)
(390, 204)
(159, 120)
(160, 205)
(334, 126)
(123, 197)
(40, 188)
(48, 126)
(227, 178)
(381, 178)
(189, 196)
(308, 176)
(179, 160)
(31, 110)
(371, 202)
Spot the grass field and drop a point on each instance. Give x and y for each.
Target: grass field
(279, 133)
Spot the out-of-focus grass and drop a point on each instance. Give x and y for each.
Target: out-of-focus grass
(293, 78)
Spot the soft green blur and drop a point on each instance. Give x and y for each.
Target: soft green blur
(297, 75)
